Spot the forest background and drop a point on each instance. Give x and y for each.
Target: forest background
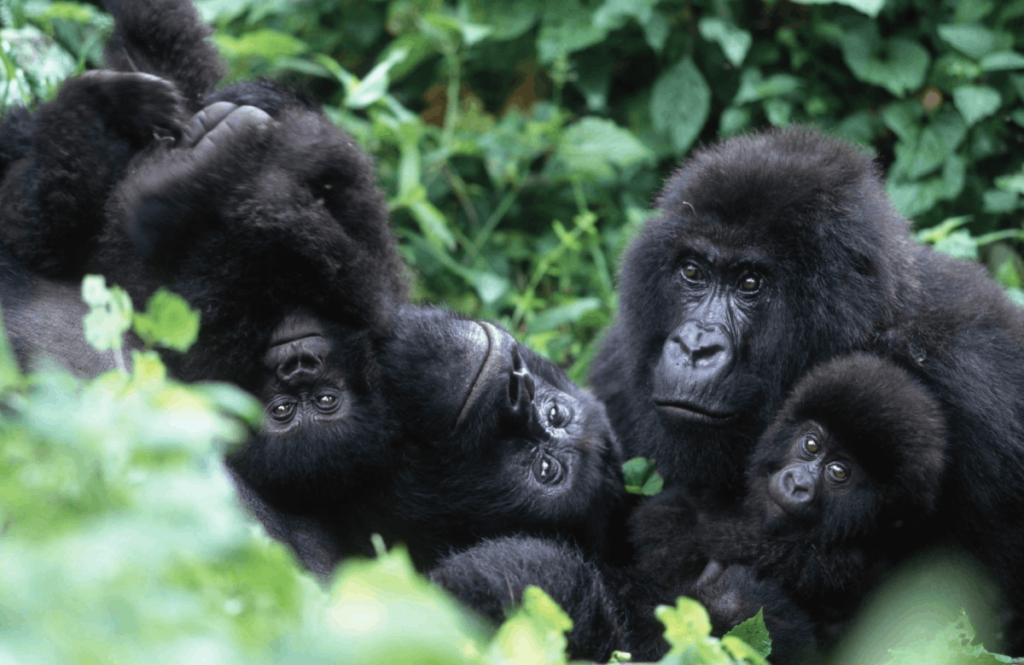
(520, 145)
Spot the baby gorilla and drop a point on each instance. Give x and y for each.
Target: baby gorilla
(838, 487)
(494, 440)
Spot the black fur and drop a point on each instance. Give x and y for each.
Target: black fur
(823, 542)
(807, 216)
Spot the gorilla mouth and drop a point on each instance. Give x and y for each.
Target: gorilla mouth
(490, 366)
(294, 327)
(692, 412)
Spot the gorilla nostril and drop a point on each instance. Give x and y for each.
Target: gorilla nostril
(299, 367)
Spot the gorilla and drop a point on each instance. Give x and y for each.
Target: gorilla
(773, 253)
(266, 218)
(837, 489)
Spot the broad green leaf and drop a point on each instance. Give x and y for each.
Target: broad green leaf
(1002, 61)
(976, 102)
(733, 120)
(997, 201)
(753, 633)
(264, 43)
(110, 313)
(168, 321)
(734, 42)
(975, 40)
(685, 624)
(570, 312)
(680, 103)
(566, 28)
(754, 87)
(869, 7)
(534, 634)
(511, 20)
(899, 65)
(432, 223)
(657, 30)
(641, 477)
(1011, 183)
(593, 146)
(375, 84)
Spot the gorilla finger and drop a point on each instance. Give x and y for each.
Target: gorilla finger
(204, 121)
(240, 120)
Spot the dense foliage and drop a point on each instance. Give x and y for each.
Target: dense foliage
(520, 145)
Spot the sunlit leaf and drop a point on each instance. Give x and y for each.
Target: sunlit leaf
(976, 102)
(168, 321)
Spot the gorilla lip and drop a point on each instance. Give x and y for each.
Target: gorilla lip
(685, 411)
(489, 367)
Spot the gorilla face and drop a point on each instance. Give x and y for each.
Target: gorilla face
(495, 439)
(326, 431)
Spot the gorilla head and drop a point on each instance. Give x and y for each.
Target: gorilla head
(494, 440)
(772, 252)
(858, 448)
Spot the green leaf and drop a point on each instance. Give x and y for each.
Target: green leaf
(570, 312)
(734, 42)
(264, 43)
(565, 29)
(869, 7)
(974, 40)
(1011, 183)
(534, 634)
(110, 313)
(996, 201)
(976, 102)
(680, 103)
(1002, 61)
(641, 477)
(592, 146)
(232, 400)
(375, 84)
(898, 64)
(686, 624)
(168, 321)
(754, 87)
(754, 633)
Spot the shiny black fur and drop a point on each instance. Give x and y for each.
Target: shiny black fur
(804, 213)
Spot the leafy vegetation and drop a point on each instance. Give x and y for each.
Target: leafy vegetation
(520, 145)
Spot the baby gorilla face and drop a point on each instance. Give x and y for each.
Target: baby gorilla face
(495, 440)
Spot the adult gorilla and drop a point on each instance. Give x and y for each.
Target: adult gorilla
(774, 252)
(771, 253)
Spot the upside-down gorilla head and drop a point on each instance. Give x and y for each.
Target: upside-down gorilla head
(772, 252)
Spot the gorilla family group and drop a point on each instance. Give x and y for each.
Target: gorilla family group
(823, 396)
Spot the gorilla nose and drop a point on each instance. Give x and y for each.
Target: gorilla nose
(298, 368)
(705, 345)
(521, 386)
(796, 486)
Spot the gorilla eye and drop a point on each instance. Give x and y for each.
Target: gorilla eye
(838, 472)
(326, 402)
(750, 284)
(558, 415)
(692, 272)
(547, 470)
(811, 445)
(282, 411)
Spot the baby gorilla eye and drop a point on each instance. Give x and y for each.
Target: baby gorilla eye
(558, 415)
(326, 402)
(692, 272)
(282, 411)
(838, 472)
(547, 470)
(750, 284)
(811, 445)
